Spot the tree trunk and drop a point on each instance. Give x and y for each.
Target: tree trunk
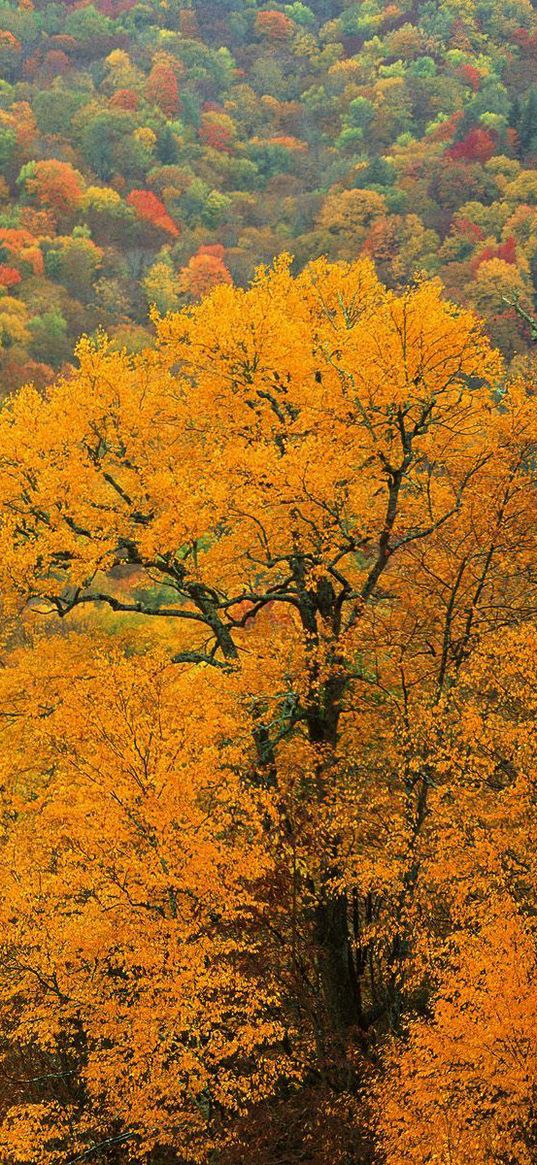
(338, 974)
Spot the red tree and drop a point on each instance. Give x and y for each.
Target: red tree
(9, 276)
(274, 25)
(124, 99)
(204, 270)
(446, 129)
(505, 251)
(56, 63)
(478, 146)
(217, 131)
(56, 185)
(150, 209)
(161, 88)
(471, 76)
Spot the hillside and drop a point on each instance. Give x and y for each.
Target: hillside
(150, 150)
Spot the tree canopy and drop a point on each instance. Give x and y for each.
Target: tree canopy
(269, 761)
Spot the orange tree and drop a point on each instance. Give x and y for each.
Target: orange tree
(461, 1085)
(271, 544)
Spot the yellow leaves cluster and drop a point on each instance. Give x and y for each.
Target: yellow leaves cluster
(264, 419)
(141, 852)
(462, 1086)
(323, 493)
(464, 1089)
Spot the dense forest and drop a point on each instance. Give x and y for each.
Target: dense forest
(149, 150)
(268, 581)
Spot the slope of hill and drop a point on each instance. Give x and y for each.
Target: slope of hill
(150, 149)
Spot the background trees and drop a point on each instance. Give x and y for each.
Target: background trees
(261, 129)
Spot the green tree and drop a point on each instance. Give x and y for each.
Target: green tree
(49, 339)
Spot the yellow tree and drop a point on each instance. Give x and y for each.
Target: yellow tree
(461, 1086)
(321, 493)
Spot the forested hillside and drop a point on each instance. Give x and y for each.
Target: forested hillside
(149, 150)
(268, 583)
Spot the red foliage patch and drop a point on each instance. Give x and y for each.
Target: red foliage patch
(478, 146)
(150, 209)
(505, 251)
(274, 24)
(9, 276)
(471, 76)
(124, 99)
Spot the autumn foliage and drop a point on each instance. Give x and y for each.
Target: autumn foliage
(55, 186)
(478, 146)
(269, 756)
(162, 88)
(273, 24)
(150, 209)
(406, 133)
(9, 276)
(204, 271)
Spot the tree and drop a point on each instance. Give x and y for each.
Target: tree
(526, 119)
(55, 107)
(109, 218)
(350, 214)
(10, 50)
(217, 130)
(13, 322)
(124, 99)
(74, 261)
(161, 87)
(9, 276)
(496, 280)
(462, 1086)
(21, 247)
(100, 136)
(8, 145)
(49, 340)
(216, 993)
(89, 27)
(273, 25)
(204, 270)
(55, 185)
(149, 209)
(292, 520)
(55, 64)
(160, 285)
(360, 113)
(523, 188)
(477, 146)
(463, 1090)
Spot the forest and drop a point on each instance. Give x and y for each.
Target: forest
(268, 582)
(150, 149)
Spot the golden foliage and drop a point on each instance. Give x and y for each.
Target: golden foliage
(260, 789)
